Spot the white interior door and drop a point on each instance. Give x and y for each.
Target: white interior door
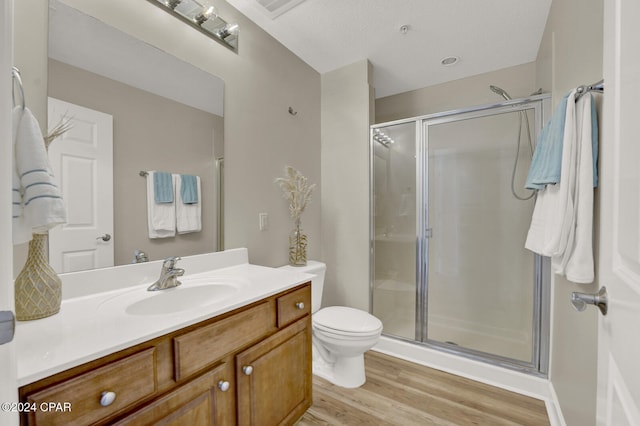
(619, 266)
(82, 161)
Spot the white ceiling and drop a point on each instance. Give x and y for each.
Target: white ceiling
(485, 34)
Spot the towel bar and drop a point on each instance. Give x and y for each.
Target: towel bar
(597, 87)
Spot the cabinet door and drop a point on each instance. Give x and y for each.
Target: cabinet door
(205, 400)
(274, 377)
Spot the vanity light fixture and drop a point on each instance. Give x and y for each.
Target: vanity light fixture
(202, 15)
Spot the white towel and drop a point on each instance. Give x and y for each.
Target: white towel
(188, 216)
(37, 201)
(550, 224)
(577, 264)
(161, 217)
(561, 226)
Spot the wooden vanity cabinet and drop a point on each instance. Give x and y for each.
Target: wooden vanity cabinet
(274, 378)
(251, 366)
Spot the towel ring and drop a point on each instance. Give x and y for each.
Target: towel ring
(15, 73)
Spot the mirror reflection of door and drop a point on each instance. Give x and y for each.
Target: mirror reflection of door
(82, 162)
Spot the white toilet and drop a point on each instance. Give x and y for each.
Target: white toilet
(341, 335)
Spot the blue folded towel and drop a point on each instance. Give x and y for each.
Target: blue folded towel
(189, 189)
(546, 163)
(162, 187)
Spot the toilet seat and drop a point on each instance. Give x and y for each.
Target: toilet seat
(345, 321)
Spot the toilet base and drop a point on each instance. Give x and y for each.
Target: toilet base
(347, 372)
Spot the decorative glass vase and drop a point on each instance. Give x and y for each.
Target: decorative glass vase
(38, 289)
(297, 246)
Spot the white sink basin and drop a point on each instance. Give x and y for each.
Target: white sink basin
(178, 299)
(194, 293)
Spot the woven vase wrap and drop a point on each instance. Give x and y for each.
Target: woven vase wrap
(38, 289)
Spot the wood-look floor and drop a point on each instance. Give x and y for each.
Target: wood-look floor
(399, 392)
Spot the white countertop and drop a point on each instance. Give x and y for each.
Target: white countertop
(93, 325)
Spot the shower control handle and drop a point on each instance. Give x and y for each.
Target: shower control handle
(599, 299)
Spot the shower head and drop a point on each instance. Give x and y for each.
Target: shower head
(499, 91)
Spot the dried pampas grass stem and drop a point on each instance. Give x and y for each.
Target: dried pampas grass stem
(297, 190)
(61, 128)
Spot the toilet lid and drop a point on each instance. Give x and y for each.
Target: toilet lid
(346, 320)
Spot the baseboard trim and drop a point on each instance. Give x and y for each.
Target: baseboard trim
(514, 381)
(553, 408)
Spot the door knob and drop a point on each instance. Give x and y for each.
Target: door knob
(599, 299)
(7, 326)
(105, 237)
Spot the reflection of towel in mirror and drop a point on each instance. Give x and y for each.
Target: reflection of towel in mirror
(189, 189)
(37, 201)
(163, 184)
(161, 217)
(188, 215)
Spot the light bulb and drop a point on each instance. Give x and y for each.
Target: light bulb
(229, 30)
(171, 4)
(208, 12)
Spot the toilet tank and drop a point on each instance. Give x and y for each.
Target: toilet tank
(317, 269)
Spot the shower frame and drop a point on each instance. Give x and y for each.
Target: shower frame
(539, 365)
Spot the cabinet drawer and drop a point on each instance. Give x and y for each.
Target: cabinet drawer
(204, 346)
(131, 379)
(294, 305)
(202, 401)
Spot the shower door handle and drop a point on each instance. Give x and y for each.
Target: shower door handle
(599, 299)
(428, 233)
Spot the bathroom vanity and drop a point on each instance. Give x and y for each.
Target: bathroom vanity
(248, 363)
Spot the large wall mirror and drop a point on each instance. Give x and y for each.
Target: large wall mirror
(165, 115)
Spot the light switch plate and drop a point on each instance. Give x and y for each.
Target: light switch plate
(263, 220)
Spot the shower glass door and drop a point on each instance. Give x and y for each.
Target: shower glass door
(481, 292)
(448, 265)
(394, 233)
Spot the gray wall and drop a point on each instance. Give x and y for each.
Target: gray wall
(518, 81)
(347, 97)
(570, 55)
(149, 133)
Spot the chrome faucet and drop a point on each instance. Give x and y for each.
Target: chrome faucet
(168, 276)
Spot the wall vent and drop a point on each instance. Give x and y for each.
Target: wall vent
(275, 8)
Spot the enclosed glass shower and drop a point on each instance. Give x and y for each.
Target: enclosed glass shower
(449, 269)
